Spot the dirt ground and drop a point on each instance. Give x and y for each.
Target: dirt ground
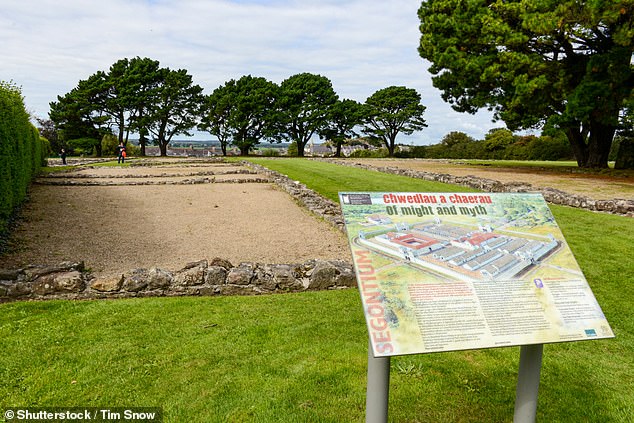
(118, 228)
(121, 226)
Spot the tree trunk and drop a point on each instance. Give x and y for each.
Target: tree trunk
(599, 143)
(300, 148)
(390, 145)
(338, 151)
(142, 142)
(625, 155)
(121, 127)
(163, 148)
(579, 147)
(98, 150)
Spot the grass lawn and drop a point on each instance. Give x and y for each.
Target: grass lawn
(328, 179)
(302, 357)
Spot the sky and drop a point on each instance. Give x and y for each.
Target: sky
(48, 46)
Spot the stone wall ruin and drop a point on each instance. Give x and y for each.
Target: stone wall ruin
(219, 277)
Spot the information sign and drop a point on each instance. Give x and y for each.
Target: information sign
(454, 271)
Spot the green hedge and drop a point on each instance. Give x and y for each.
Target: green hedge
(22, 151)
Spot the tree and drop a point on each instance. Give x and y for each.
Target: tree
(567, 63)
(138, 85)
(253, 111)
(302, 108)
(342, 118)
(76, 116)
(496, 141)
(47, 130)
(117, 100)
(242, 111)
(215, 116)
(456, 145)
(125, 93)
(625, 154)
(391, 111)
(85, 146)
(174, 107)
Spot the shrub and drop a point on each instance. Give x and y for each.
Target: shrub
(84, 146)
(109, 144)
(292, 149)
(270, 152)
(132, 150)
(21, 151)
(46, 150)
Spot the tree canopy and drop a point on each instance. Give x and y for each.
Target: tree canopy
(134, 95)
(391, 111)
(77, 115)
(343, 117)
(138, 96)
(174, 107)
(240, 110)
(215, 112)
(303, 105)
(567, 63)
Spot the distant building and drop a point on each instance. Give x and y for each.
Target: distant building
(457, 251)
(379, 219)
(320, 150)
(419, 244)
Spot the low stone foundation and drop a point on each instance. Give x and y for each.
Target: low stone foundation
(216, 277)
(219, 277)
(322, 207)
(554, 196)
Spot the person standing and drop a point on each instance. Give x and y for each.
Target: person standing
(62, 154)
(121, 153)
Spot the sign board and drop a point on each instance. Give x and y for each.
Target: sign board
(454, 271)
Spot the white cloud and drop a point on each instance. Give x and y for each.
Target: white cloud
(361, 45)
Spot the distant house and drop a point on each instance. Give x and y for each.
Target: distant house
(320, 150)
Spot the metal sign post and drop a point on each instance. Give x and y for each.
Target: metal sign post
(378, 388)
(528, 383)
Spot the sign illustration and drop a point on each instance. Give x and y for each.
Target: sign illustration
(453, 271)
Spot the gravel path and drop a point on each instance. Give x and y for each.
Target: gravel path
(121, 226)
(118, 228)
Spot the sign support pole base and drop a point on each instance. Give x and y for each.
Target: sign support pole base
(528, 383)
(378, 388)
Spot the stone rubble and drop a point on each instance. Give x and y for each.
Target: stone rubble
(624, 207)
(217, 277)
(322, 207)
(70, 175)
(157, 181)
